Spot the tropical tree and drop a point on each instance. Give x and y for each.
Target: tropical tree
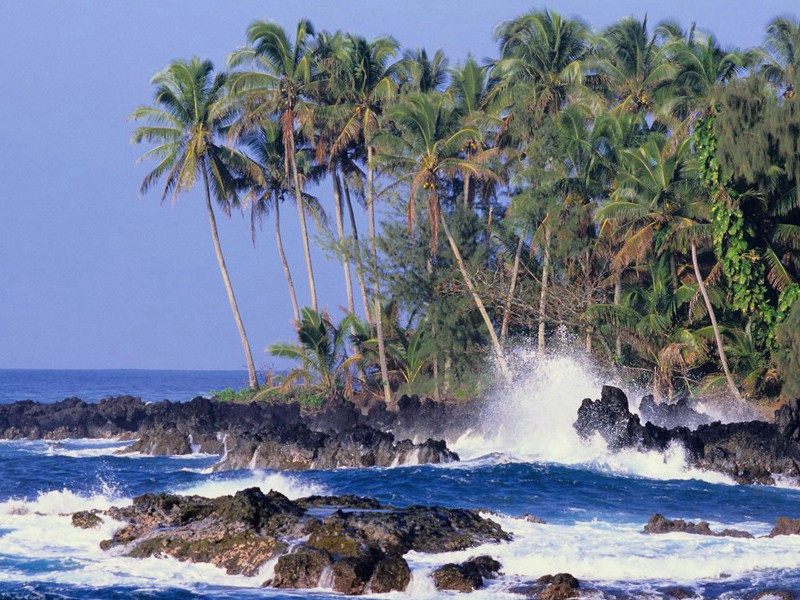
(275, 77)
(187, 121)
(267, 193)
(321, 350)
(781, 62)
(425, 152)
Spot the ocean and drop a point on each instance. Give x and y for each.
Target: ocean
(595, 502)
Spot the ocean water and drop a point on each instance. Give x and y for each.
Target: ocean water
(44, 385)
(595, 504)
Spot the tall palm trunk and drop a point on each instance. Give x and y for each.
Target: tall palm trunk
(387, 391)
(543, 294)
(498, 349)
(717, 336)
(251, 368)
(337, 200)
(357, 247)
(301, 214)
(284, 262)
(511, 289)
(617, 302)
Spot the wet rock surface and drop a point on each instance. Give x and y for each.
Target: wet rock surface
(254, 435)
(678, 414)
(466, 576)
(353, 544)
(785, 526)
(749, 452)
(659, 524)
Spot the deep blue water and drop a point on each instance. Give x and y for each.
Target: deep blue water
(594, 515)
(44, 385)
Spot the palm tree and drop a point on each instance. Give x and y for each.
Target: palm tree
(655, 206)
(426, 150)
(633, 66)
(265, 148)
(417, 72)
(321, 350)
(280, 80)
(370, 88)
(782, 60)
(189, 115)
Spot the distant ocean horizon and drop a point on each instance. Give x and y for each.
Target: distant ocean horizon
(92, 385)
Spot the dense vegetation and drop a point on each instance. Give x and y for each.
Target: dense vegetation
(632, 192)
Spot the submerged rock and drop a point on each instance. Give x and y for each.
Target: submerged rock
(748, 452)
(660, 524)
(353, 551)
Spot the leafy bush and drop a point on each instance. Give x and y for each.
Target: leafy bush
(787, 355)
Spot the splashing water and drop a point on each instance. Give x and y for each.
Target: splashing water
(533, 422)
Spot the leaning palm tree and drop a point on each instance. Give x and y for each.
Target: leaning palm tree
(279, 80)
(424, 152)
(189, 115)
(267, 193)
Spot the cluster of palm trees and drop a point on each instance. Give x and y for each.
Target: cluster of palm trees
(559, 190)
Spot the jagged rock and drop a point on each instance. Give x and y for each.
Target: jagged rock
(466, 576)
(362, 548)
(297, 447)
(391, 574)
(749, 452)
(561, 586)
(785, 526)
(302, 569)
(87, 519)
(160, 442)
(533, 519)
(787, 419)
(660, 524)
(678, 414)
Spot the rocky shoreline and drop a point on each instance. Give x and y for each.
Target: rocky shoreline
(750, 452)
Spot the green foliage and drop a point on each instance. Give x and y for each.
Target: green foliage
(787, 352)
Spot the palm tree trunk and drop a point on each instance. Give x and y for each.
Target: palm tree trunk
(284, 262)
(511, 289)
(337, 199)
(467, 182)
(617, 301)
(251, 368)
(301, 214)
(543, 294)
(359, 267)
(717, 336)
(498, 349)
(387, 391)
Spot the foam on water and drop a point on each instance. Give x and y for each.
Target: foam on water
(533, 422)
(288, 485)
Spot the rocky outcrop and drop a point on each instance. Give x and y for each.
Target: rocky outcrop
(749, 452)
(297, 447)
(785, 526)
(255, 435)
(677, 414)
(87, 519)
(466, 576)
(561, 586)
(356, 550)
(660, 524)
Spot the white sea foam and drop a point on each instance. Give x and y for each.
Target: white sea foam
(611, 553)
(289, 485)
(533, 422)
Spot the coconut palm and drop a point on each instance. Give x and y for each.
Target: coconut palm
(321, 350)
(781, 63)
(424, 152)
(275, 77)
(265, 148)
(417, 72)
(369, 88)
(654, 202)
(189, 116)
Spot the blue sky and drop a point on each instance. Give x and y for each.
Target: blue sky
(92, 275)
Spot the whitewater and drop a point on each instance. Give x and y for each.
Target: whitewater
(525, 458)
